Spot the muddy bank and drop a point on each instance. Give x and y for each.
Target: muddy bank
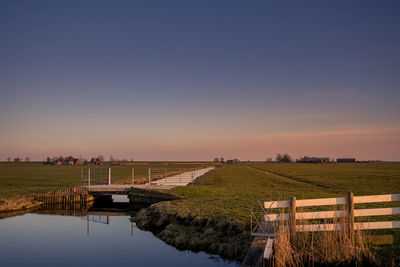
(10, 205)
(226, 238)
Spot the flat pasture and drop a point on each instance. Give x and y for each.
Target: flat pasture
(232, 191)
(340, 178)
(21, 179)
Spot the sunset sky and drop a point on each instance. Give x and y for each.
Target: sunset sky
(193, 80)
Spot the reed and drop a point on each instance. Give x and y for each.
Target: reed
(323, 248)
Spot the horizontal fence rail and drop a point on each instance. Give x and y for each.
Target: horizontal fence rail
(332, 201)
(350, 213)
(270, 223)
(332, 214)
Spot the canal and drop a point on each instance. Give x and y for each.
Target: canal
(96, 239)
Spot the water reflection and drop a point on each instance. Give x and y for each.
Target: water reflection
(101, 236)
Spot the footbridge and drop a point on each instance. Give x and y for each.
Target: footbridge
(181, 179)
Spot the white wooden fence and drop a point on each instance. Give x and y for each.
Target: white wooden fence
(349, 213)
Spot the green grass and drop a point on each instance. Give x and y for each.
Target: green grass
(360, 178)
(232, 191)
(17, 179)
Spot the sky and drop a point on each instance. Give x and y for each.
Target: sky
(195, 80)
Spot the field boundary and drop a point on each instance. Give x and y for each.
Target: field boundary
(294, 178)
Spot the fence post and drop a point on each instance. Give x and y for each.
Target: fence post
(133, 176)
(109, 176)
(350, 219)
(88, 177)
(292, 217)
(149, 176)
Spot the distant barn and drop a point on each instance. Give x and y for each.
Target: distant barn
(346, 160)
(313, 160)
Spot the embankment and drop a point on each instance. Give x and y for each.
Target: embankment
(226, 238)
(69, 198)
(17, 206)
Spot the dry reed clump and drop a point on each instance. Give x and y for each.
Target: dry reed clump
(322, 248)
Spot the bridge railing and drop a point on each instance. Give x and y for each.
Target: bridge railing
(95, 176)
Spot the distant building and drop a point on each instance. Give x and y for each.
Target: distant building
(95, 161)
(231, 161)
(346, 160)
(312, 160)
(69, 161)
(16, 160)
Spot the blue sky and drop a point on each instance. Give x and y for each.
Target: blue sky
(190, 80)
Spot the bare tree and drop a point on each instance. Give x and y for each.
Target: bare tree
(221, 159)
(27, 159)
(100, 157)
(216, 160)
(285, 158)
(9, 159)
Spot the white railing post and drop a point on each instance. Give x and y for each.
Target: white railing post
(149, 176)
(109, 176)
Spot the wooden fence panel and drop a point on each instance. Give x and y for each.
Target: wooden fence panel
(376, 198)
(332, 214)
(357, 226)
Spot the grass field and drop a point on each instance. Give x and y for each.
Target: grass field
(360, 178)
(17, 179)
(230, 191)
(233, 190)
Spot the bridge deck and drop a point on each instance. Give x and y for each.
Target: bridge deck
(123, 189)
(167, 183)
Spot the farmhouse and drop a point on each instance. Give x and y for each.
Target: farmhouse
(67, 161)
(95, 161)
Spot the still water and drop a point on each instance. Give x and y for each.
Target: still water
(93, 240)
